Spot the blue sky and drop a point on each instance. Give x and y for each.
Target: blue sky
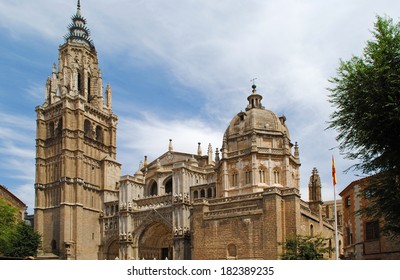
(181, 70)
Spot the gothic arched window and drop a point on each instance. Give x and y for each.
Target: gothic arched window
(59, 127)
(276, 176)
(153, 189)
(51, 129)
(262, 175)
(234, 178)
(248, 177)
(99, 133)
(88, 88)
(168, 186)
(209, 192)
(79, 82)
(87, 127)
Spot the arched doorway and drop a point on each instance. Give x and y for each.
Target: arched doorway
(155, 242)
(112, 251)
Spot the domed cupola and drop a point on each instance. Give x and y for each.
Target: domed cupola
(256, 118)
(257, 152)
(78, 32)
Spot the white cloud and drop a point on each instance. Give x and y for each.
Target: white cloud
(149, 136)
(215, 48)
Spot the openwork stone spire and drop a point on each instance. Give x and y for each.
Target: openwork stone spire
(78, 32)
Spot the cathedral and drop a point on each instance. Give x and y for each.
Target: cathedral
(241, 201)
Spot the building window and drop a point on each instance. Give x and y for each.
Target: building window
(196, 194)
(153, 189)
(311, 230)
(231, 251)
(368, 194)
(371, 230)
(88, 88)
(168, 186)
(234, 179)
(87, 128)
(276, 176)
(248, 177)
(59, 127)
(99, 133)
(79, 82)
(51, 129)
(209, 192)
(262, 175)
(347, 201)
(349, 236)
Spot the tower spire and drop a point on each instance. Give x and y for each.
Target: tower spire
(78, 10)
(78, 32)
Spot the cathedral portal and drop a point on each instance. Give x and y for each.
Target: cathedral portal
(155, 242)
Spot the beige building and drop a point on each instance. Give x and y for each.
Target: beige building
(239, 202)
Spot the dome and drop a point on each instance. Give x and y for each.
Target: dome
(256, 118)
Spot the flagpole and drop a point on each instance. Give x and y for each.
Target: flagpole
(336, 226)
(334, 207)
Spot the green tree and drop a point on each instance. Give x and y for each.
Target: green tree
(366, 97)
(24, 242)
(17, 239)
(7, 225)
(305, 248)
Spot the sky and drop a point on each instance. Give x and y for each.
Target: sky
(182, 70)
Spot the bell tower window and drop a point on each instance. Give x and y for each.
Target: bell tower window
(88, 88)
(87, 128)
(51, 129)
(59, 128)
(99, 133)
(79, 82)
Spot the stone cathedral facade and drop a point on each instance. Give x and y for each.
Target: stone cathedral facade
(238, 202)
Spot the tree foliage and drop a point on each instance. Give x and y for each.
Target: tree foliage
(17, 239)
(366, 97)
(306, 248)
(7, 224)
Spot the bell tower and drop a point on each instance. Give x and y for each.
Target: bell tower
(76, 167)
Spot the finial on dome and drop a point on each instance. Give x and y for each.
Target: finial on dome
(170, 148)
(199, 151)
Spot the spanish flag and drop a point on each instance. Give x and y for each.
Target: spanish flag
(333, 172)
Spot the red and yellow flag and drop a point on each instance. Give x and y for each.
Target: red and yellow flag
(333, 172)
